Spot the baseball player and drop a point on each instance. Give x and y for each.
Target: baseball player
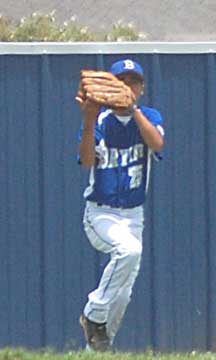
(117, 146)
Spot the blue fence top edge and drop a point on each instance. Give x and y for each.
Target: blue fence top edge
(106, 47)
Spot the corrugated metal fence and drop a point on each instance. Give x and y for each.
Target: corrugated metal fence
(47, 266)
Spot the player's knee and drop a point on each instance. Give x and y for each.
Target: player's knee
(134, 252)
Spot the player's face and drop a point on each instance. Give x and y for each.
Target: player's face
(134, 82)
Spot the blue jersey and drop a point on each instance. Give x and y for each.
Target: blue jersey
(121, 174)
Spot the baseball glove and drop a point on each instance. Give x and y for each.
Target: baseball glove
(105, 89)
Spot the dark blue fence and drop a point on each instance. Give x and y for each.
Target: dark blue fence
(47, 266)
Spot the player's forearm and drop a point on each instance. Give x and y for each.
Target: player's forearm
(87, 145)
(149, 133)
(87, 150)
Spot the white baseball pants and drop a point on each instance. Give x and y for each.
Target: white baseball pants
(119, 233)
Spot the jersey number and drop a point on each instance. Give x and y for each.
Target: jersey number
(135, 172)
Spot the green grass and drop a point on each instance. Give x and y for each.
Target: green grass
(20, 354)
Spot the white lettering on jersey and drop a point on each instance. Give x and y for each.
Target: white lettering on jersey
(124, 156)
(112, 157)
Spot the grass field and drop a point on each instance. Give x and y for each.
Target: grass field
(20, 354)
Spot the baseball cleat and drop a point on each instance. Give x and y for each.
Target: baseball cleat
(95, 334)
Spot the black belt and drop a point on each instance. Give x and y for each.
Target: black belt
(113, 207)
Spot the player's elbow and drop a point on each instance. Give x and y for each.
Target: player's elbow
(158, 145)
(87, 165)
(87, 156)
(87, 162)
